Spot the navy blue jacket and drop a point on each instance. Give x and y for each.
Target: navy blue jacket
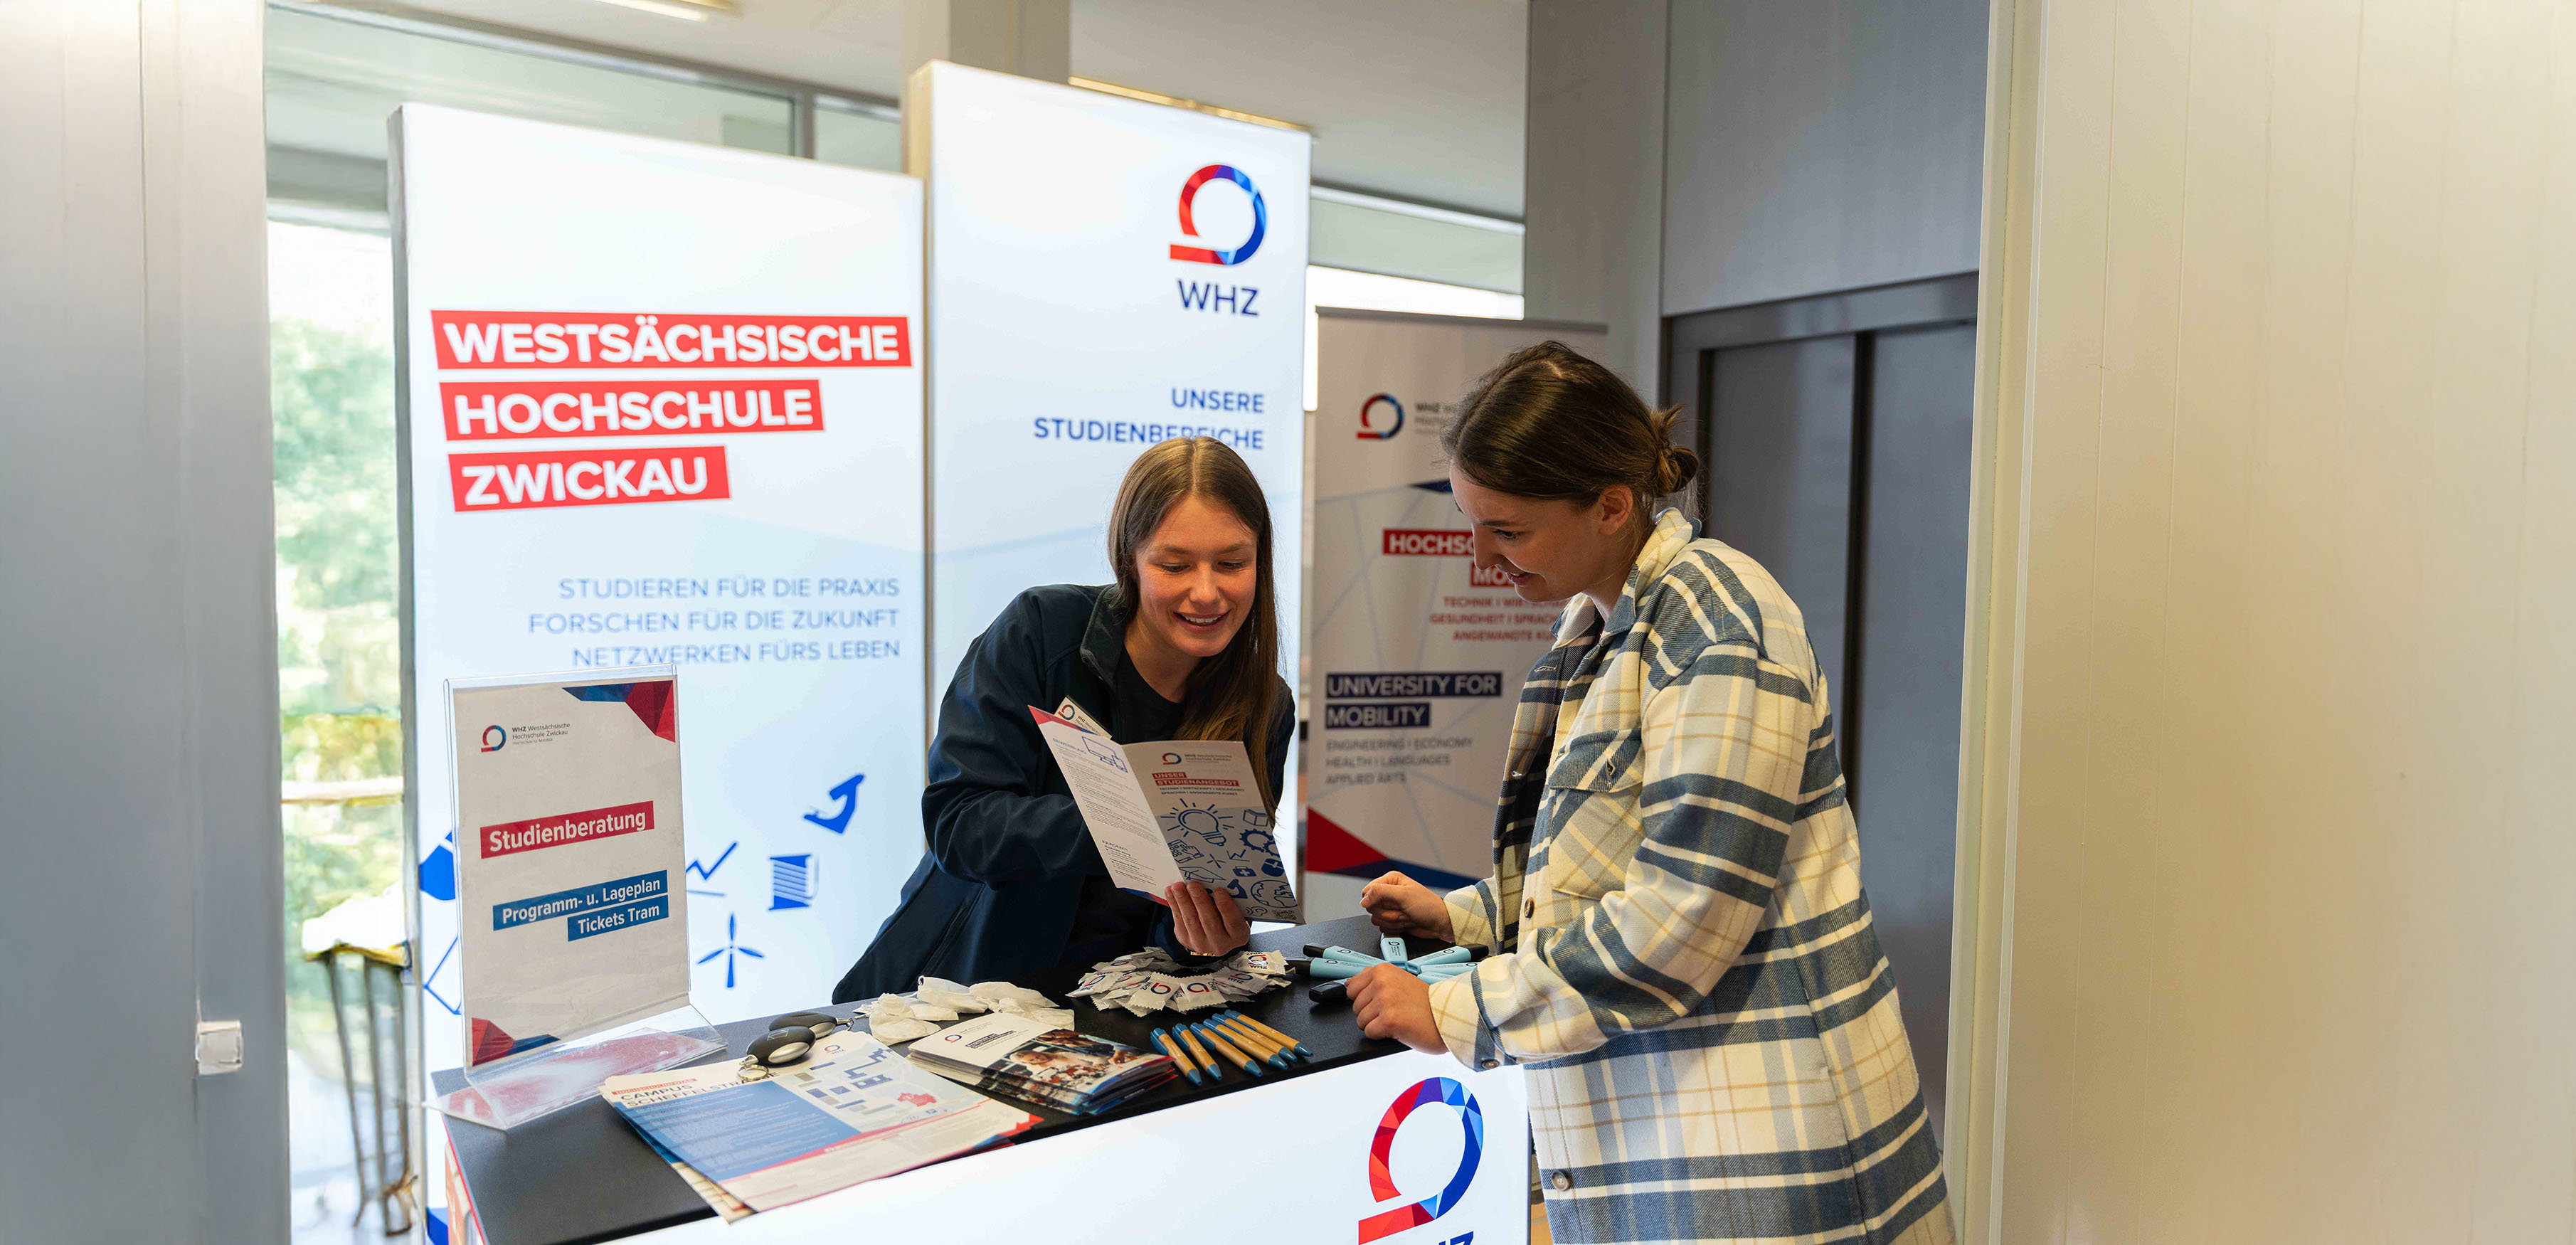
(995, 895)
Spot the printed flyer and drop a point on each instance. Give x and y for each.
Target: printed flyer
(571, 860)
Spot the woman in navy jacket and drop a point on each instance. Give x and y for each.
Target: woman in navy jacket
(1185, 645)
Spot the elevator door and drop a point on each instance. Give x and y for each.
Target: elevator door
(1835, 435)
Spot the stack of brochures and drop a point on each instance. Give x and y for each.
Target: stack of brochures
(853, 1111)
(1033, 1061)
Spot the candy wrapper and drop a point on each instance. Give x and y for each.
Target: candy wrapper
(939, 1002)
(1148, 981)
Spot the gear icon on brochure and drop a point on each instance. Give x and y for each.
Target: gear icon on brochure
(1258, 840)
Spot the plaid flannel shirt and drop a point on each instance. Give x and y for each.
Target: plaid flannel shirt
(1685, 961)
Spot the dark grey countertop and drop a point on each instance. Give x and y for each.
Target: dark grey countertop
(583, 1174)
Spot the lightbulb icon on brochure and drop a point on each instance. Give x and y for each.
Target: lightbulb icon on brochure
(1213, 827)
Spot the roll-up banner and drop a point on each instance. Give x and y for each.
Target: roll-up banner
(661, 403)
(1104, 274)
(1416, 659)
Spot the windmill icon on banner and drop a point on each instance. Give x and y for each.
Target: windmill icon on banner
(729, 951)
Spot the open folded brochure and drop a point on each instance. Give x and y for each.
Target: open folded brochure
(1180, 808)
(853, 1111)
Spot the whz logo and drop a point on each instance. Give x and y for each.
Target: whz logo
(1368, 430)
(493, 738)
(1211, 297)
(1442, 1091)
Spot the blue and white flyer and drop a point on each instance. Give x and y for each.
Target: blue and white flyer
(853, 1111)
(570, 856)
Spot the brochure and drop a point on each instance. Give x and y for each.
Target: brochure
(1180, 808)
(1032, 1060)
(853, 1111)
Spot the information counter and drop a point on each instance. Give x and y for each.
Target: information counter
(1328, 1149)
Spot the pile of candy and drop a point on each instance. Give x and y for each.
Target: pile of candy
(1148, 981)
(902, 1017)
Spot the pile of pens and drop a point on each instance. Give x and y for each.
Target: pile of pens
(1338, 964)
(1228, 1037)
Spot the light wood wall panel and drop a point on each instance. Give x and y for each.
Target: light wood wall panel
(2271, 841)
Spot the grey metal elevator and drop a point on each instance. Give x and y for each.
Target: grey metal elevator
(1834, 437)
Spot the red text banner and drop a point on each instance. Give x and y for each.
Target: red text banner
(1428, 542)
(1181, 778)
(570, 339)
(602, 477)
(597, 823)
(503, 410)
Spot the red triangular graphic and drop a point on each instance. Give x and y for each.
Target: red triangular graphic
(1331, 849)
(490, 1041)
(652, 703)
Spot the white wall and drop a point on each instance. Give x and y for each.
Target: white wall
(141, 875)
(1594, 246)
(1820, 146)
(1717, 153)
(2271, 851)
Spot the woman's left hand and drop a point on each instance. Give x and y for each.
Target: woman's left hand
(1392, 1003)
(1204, 921)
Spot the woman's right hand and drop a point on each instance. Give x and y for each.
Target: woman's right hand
(1399, 905)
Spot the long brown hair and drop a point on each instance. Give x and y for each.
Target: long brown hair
(1233, 694)
(1552, 425)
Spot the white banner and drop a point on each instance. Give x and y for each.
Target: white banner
(661, 405)
(569, 871)
(1104, 274)
(1416, 663)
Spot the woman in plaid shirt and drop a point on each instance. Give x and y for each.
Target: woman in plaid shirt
(1684, 960)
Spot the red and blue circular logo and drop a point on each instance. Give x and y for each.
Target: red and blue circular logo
(1471, 1118)
(1369, 432)
(1189, 225)
(493, 738)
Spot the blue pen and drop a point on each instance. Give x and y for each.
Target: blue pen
(1217, 1042)
(1253, 1044)
(1391, 948)
(1327, 970)
(1165, 1044)
(1273, 1034)
(1443, 972)
(1445, 955)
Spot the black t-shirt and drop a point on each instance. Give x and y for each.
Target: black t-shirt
(1112, 922)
